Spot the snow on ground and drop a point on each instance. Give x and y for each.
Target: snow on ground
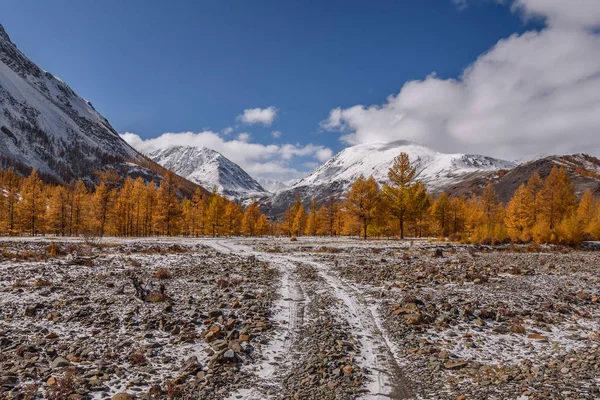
(333, 318)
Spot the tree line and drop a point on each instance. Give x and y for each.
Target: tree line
(544, 211)
(117, 207)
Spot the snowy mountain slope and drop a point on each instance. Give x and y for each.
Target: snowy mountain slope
(45, 125)
(274, 185)
(209, 168)
(436, 170)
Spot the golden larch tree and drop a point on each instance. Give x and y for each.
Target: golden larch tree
(363, 199)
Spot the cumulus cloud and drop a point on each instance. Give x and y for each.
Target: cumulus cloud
(537, 92)
(264, 116)
(276, 134)
(259, 160)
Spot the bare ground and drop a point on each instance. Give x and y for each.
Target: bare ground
(313, 319)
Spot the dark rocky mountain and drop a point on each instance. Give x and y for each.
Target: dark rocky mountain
(584, 171)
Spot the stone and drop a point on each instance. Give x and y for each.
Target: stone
(8, 381)
(51, 381)
(60, 362)
(122, 396)
(536, 336)
(229, 356)
(191, 366)
(455, 364)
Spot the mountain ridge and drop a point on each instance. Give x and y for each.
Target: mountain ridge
(45, 125)
(209, 168)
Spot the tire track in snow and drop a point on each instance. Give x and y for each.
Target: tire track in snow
(377, 354)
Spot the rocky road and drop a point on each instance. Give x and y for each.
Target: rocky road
(310, 293)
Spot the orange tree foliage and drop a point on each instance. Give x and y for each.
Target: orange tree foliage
(117, 207)
(545, 211)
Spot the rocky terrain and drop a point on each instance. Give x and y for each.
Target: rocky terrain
(72, 327)
(308, 319)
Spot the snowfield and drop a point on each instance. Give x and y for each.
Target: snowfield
(317, 318)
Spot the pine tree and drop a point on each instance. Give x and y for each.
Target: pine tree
(12, 184)
(167, 206)
(363, 199)
(250, 219)
(233, 219)
(441, 214)
(215, 212)
(421, 202)
(299, 224)
(58, 210)
(32, 206)
(397, 193)
(101, 205)
(262, 225)
(312, 222)
(325, 228)
(586, 212)
(79, 197)
(556, 198)
(520, 214)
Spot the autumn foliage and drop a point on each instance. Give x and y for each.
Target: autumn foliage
(117, 207)
(544, 211)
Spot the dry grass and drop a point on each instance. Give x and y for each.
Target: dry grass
(156, 297)
(54, 250)
(65, 385)
(20, 284)
(162, 273)
(137, 357)
(41, 282)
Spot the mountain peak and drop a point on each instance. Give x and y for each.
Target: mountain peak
(435, 170)
(209, 168)
(45, 125)
(4, 35)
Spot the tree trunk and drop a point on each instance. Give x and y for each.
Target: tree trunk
(402, 227)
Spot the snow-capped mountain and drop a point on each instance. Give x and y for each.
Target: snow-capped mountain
(45, 125)
(209, 168)
(274, 185)
(436, 170)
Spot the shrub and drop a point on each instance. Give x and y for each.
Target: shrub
(156, 297)
(54, 250)
(137, 357)
(162, 273)
(41, 282)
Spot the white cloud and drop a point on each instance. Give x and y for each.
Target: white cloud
(538, 92)
(227, 131)
(268, 161)
(562, 13)
(264, 116)
(276, 134)
(244, 136)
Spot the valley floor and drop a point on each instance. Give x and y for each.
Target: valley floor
(316, 318)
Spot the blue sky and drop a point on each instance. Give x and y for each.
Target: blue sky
(153, 67)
